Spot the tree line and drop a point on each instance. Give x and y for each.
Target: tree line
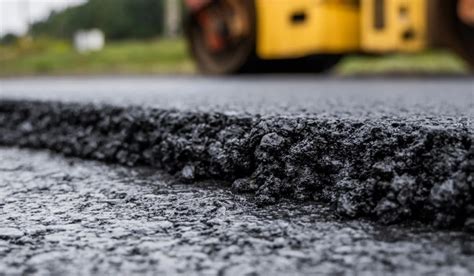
(118, 19)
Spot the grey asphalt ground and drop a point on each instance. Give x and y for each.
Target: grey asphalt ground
(378, 151)
(63, 216)
(263, 95)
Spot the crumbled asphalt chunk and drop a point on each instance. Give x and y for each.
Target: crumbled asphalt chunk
(10, 233)
(244, 185)
(392, 169)
(89, 218)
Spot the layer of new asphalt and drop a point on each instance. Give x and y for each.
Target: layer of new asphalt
(388, 150)
(66, 216)
(262, 95)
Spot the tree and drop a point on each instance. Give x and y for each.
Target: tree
(118, 19)
(9, 39)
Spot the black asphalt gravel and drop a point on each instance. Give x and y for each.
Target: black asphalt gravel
(389, 150)
(272, 175)
(65, 216)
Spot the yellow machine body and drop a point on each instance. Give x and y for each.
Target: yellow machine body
(289, 29)
(301, 27)
(394, 25)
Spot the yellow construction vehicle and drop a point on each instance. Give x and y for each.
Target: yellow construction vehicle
(231, 36)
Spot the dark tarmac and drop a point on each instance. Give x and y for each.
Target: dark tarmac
(268, 175)
(262, 95)
(63, 216)
(390, 150)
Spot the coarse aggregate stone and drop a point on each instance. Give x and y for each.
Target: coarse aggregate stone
(390, 168)
(66, 216)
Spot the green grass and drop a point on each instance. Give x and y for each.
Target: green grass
(169, 56)
(131, 57)
(429, 62)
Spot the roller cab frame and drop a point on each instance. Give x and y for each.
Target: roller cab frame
(231, 36)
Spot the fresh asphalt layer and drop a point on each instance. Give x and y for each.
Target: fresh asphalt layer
(66, 216)
(268, 175)
(391, 150)
(262, 95)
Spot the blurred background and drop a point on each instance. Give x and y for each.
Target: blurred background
(83, 37)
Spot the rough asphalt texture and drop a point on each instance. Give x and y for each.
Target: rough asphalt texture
(392, 157)
(72, 217)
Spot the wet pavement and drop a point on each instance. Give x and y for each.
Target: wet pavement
(64, 216)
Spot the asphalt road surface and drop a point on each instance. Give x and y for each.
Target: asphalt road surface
(70, 217)
(259, 175)
(264, 95)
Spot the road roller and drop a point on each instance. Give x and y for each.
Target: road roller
(238, 36)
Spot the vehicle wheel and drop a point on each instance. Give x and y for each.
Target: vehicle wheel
(465, 28)
(222, 39)
(455, 31)
(222, 36)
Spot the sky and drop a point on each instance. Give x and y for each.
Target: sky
(15, 14)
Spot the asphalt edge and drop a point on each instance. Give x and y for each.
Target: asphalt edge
(390, 170)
